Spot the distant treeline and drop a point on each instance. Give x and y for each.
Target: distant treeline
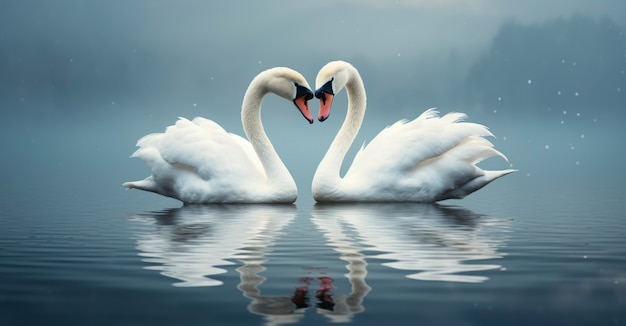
(576, 63)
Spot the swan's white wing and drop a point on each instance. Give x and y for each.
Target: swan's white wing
(405, 144)
(421, 159)
(246, 148)
(194, 158)
(205, 146)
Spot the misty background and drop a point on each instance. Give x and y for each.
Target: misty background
(82, 81)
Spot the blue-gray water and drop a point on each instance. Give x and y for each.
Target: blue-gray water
(546, 245)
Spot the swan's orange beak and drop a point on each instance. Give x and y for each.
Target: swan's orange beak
(326, 100)
(302, 103)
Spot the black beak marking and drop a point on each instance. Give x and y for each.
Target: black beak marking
(303, 91)
(326, 88)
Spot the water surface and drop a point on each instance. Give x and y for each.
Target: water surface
(498, 257)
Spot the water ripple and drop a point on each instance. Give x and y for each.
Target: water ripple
(438, 243)
(194, 243)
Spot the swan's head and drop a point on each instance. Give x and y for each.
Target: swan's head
(331, 79)
(291, 85)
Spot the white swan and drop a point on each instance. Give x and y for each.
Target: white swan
(199, 162)
(424, 160)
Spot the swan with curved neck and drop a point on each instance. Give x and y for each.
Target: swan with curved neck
(198, 162)
(428, 159)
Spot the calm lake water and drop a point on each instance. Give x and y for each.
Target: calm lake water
(545, 245)
(499, 257)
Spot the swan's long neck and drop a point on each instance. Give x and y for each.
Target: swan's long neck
(327, 176)
(275, 170)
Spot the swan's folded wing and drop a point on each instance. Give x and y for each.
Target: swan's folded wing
(205, 148)
(405, 145)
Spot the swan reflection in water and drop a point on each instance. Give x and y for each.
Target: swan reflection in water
(191, 244)
(432, 241)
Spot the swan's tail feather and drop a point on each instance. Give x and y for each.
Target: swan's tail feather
(492, 175)
(497, 153)
(484, 150)
(474, 184)
(146, 184)
(473, 150)
(428, 114)
(467, 129)
(454, 117)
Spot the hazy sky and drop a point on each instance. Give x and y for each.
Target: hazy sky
(215, 47)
